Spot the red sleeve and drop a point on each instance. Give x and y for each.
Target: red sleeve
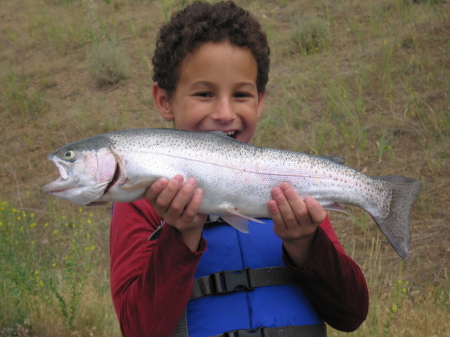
(151, 281)
(333, 282)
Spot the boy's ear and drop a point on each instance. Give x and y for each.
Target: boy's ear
(162, 102)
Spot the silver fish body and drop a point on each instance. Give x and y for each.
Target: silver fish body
(236, 177)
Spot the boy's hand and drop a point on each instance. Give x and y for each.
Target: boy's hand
(295, 220)
(178, 205)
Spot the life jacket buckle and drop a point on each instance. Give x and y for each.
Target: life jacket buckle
(229, 281)
(246, 333)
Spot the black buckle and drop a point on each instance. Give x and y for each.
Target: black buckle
(229, 281)
(246, 333)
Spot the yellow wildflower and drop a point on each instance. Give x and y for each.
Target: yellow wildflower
(394, 309)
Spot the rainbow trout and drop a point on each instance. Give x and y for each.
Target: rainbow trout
(236, 177)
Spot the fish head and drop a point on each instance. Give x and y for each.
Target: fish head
(86, 169)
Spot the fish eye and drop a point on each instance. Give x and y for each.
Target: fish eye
(68, 155)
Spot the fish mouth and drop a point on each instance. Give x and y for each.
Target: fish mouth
(63, 183)
(66, 182)
(60, 185)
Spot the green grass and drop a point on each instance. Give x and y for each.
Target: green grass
(19, 99)
(310, 34)
(49, 267)
(108, 64)
(370, 83)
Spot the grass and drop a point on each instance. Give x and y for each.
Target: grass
(49, 268)
(374, 88)
(310, 34)
(19, 99)
(108, 63)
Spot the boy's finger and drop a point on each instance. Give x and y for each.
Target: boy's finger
(155, 189)
(285, 215)
(181, 199)
(193, 207)
(316, 211)
(275, 214)
(295, 211)
(309, 210)
(165, 197)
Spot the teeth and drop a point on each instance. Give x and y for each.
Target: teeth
(231, 133)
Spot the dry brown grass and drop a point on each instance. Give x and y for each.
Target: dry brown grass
(377, 94)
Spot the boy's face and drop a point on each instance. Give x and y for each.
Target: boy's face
(216, 90)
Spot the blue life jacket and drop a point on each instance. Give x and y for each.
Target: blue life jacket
(270, 306)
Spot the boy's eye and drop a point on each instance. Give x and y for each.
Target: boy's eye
(241, 95)
(203, 94)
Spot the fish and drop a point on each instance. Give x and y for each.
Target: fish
(236, 177)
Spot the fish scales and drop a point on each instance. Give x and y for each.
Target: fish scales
(257, 169)
(236, 178)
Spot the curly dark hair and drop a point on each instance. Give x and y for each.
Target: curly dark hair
(199, 23)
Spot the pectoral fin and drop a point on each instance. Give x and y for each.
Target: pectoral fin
(238, 220)
(334, 207)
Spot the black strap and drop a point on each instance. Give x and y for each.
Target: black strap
(181, 330)
(317, 330)
(231, 281)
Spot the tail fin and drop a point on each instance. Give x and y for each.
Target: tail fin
(396, 225)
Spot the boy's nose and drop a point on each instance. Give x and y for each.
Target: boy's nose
(223, 112)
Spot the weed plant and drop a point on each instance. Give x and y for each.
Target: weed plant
(45, 268)
(310, 34)
(108, 64)
(19, 100)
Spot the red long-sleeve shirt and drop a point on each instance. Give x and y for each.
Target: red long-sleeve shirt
(151, 281)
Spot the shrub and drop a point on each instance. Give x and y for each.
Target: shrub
(310, 34)
(108, 63)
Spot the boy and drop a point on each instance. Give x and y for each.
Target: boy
(211, 68)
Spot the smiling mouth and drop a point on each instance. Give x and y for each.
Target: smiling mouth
(232, 134)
